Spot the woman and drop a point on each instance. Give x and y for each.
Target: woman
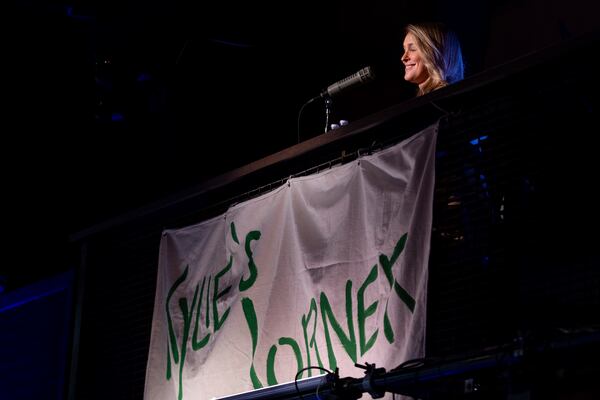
(432, 57)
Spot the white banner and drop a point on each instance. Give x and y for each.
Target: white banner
(328, 270)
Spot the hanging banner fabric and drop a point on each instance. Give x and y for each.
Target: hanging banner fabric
(328, 270)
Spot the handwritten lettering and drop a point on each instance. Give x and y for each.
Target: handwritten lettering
(309, 322)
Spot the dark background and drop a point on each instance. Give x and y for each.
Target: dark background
(112, 105)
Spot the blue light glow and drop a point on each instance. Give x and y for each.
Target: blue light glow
(116, 117)
(475, 142)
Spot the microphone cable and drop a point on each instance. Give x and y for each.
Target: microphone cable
(300, 114)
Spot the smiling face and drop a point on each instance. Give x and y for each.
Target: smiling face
(414, 66)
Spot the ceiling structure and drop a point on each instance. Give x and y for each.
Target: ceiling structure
(121, 103)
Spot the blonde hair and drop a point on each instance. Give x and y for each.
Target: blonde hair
(441, 52)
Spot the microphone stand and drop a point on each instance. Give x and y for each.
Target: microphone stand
(328, 102)
(327, 99)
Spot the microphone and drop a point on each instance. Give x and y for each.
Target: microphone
(358, 78)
